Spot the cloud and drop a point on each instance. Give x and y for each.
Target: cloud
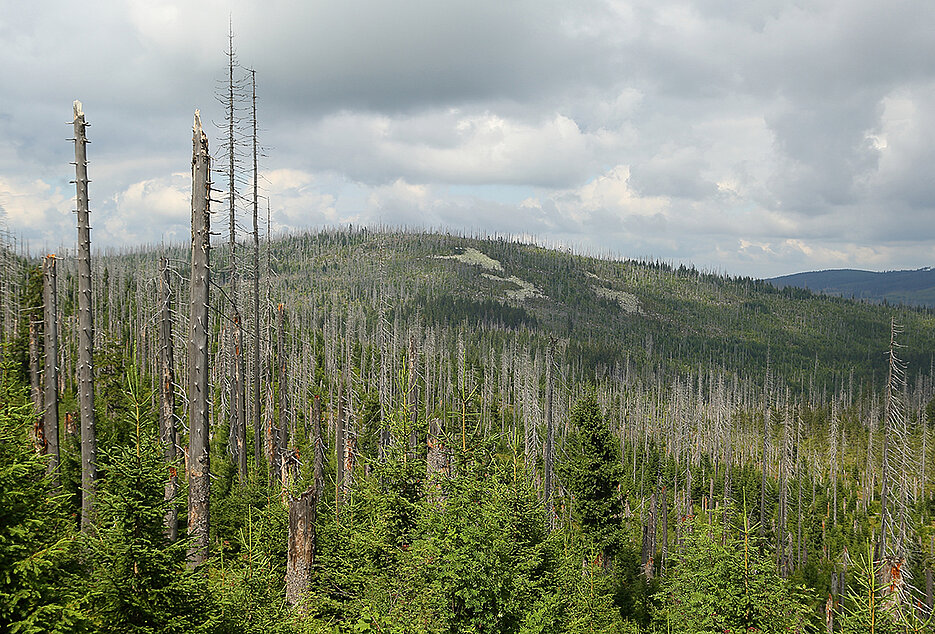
(707, 132)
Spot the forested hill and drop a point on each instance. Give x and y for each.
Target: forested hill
(611, 312)
(913, 288)
(413, 432)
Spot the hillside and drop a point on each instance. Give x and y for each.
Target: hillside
(438, 421)
(912, 288)
(656, 316)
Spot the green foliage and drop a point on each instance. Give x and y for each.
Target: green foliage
(140, 581)
(722, 583)
(592, 474)
(37, 541)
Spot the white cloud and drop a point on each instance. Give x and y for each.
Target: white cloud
(706, 132)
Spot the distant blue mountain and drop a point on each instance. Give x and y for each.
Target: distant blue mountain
(913, 288)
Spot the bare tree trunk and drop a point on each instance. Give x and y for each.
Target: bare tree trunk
(85, 326)
(35, 374)
(167, 405)
(549, 431)
(50, 400)
(413, 396)
(664, 519)
(764, 440)
(238, 402)
(199, 440)
(281, 434)
(257, 363)
(301, 551)
(339, 448)
(800, 547)
(318, 442)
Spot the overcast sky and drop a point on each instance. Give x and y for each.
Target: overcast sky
(760, 137)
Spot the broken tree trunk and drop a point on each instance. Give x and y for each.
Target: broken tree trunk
(85, 326)
(199, 442)
(167, 429)
(50, 397)
(238, 401)
(301, 552)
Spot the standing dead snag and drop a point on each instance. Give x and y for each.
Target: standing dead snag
(50, 398)
(301, 552)
(257, 364)
(549, 433)
(85, 325)
(167, 429)
(199, 443)
(238, 401)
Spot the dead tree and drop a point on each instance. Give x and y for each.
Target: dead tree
(35, 373)
(301, 550)
(50, 396)
(280, 435)
(85, 325)
(549, 431)
(238, 403)
(318, 459)
(257, 363)
(167, 429)
(199, 440)
(339, 448)
(413, 396)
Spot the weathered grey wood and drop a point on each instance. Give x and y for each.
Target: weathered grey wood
(301, 548)
(257, 362)
(339, 447)
(199, 462)
(35, 374)
(238, 401)
(50, 396)
(85, 326)
(167, 428)
(413, 396)
(318, 459)
(548, 450)
(283, 381)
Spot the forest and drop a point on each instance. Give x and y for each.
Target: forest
(381, 430)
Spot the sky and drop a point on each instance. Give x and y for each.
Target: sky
(758, 138)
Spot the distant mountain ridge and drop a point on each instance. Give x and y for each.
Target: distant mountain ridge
(913, 288)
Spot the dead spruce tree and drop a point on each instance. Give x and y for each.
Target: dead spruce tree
(257, 363)
(85, 325)
(50, 396)
(548, 450)
(167, 429)
(237, 435)
(199, 488)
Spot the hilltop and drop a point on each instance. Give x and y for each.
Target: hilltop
(649, 314)
(913, 288)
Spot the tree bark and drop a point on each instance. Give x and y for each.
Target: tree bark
(301, 551)
(35, 374)
(50, 397)
(199, 440)
(85, 326)
(238, 401)
(549, 432)
(318, 443)
(339, 448)
(167, 427)
(257, 363)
